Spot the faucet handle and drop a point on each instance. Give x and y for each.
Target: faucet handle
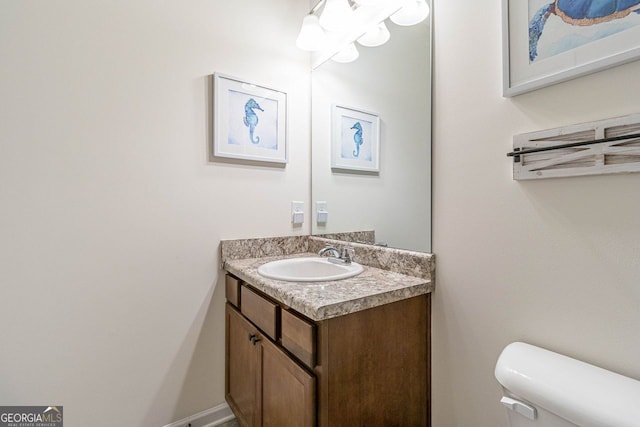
(348, 252)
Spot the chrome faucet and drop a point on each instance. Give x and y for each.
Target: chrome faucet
(332, 250)
(343, 256)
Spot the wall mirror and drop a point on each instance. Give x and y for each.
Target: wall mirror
(393, 83)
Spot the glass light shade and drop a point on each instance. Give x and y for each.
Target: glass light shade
(336, 15)
(412, 12)
(311, 36)
(348, 54)
(376, 36)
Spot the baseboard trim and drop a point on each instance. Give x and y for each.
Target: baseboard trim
(208, 418)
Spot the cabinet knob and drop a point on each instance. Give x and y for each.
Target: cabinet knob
(254, 339)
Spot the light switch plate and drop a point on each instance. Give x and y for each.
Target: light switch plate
(297, 212)
(322, 215)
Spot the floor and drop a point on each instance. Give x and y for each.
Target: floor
(232, 423)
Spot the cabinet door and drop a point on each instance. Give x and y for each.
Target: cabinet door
(288, 391)
(241, 370)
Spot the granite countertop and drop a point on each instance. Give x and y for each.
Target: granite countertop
(324, 300)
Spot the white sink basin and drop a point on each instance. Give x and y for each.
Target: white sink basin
(308, 270)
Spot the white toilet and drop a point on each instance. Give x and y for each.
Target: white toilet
(547, 389)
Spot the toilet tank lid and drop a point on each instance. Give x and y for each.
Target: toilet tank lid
(576, 391)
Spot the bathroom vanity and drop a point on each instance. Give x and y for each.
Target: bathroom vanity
(352, 352)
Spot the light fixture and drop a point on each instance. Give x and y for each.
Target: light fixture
(367, 2)
(311, 37)
(348, 54)
(376, 36)
(332, 26)
(336, 15)
(412, 12)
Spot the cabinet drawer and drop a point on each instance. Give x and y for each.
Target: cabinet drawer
(232, 290)
(262, 312)
(299, 337)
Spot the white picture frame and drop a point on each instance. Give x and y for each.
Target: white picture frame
(355, 139)
(562, 51)
(249, 121)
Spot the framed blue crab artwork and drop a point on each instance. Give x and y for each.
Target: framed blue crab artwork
(355, 139)
(249, 121)
(550, 41)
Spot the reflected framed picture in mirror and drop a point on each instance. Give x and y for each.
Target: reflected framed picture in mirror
(355, 139)
(249, 120)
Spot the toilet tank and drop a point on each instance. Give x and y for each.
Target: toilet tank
(543, 388)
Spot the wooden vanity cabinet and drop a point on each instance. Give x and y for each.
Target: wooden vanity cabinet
(288, 391)
(365, 369)
(242, 362)
(264, 386)
(373, 366)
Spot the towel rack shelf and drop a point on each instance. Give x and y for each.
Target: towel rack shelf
(594, 148)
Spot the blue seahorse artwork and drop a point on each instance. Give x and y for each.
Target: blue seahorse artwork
(357, 138)
(580, 14)
(251, 118)
(252, 121)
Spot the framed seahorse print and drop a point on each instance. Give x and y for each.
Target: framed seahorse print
(249, 121)
(549, 41)
(355, 139)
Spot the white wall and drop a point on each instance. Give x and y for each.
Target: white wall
(554, 262)
(390, 81)
(112, 211)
